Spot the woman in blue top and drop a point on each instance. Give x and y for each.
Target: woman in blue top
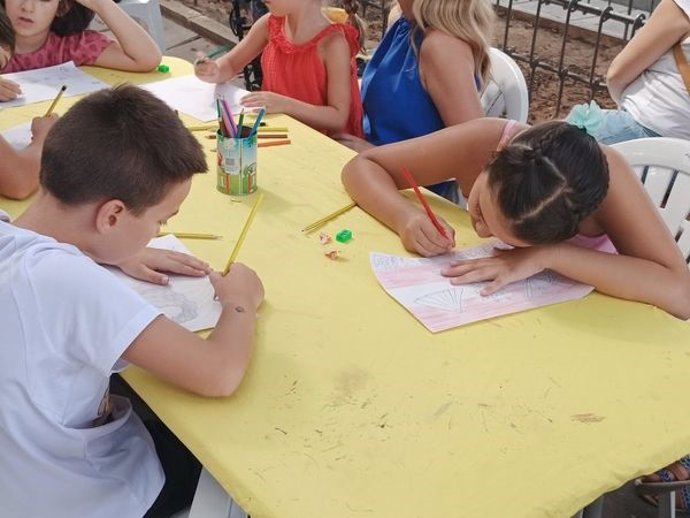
(427, 72)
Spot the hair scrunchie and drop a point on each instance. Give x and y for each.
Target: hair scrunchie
(587, 117)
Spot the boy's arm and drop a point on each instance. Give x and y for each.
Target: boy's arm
(215, 366)
(134, 49)
(228, 66)
(334, 116)
(667, 26)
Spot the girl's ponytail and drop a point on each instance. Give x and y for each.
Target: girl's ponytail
(352, 9)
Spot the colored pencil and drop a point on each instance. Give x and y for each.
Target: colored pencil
(410, 179)
(272, 135)
(243, 234)
(272, 143)
(272, 129)
(229, 118)
(55, 101)
(257, 122)
(239, 123)
(204, 127)
(320, 222)
(190, 235)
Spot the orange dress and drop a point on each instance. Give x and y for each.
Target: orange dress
(297, 71)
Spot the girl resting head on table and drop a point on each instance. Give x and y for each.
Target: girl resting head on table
(550, 191)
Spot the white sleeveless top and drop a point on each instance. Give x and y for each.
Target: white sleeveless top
(658, 99)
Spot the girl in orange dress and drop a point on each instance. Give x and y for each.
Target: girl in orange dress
(308, 64)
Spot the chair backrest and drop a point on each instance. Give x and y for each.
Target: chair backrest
(506, 93)
(663, 166)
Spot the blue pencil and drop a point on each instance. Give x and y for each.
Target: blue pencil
(257, 122)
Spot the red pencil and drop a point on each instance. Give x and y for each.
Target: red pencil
(410, 179)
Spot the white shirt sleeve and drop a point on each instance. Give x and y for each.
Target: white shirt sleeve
(81, 303)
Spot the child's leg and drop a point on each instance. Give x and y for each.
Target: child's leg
(620, 126)
(181, 468)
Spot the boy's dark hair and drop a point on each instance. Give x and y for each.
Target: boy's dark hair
(6, 31)
(548, 180)
(71, 17)
(120, 143)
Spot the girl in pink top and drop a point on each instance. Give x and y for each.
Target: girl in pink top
(308, 64)
(51, 32)
(535, 189)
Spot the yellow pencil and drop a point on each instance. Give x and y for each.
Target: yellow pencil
(203, 127)
(190, 235)
(55, 101)
(243, 234)
(313, 226)
(272, 129)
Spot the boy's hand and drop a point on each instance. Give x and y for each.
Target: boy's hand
(206, 69)
(419, 235)
(9, 90)
(148, 264)
(41, 125)
(271, 102)
(241, 285)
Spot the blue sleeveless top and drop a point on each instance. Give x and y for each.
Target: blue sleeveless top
(396, 105)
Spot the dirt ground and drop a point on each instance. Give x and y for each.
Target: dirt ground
(544, 86)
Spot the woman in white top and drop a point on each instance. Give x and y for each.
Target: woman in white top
(645, 81)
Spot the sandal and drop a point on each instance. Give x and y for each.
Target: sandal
(670, 479)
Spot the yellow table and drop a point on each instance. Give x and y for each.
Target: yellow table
(351, 408)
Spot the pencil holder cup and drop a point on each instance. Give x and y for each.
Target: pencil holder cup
(236, 164)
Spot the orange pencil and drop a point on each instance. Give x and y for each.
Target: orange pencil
(273, 143)
(410, 179)
(272, 135)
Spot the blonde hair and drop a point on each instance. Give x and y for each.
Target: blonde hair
(352, 8)
(468, 20)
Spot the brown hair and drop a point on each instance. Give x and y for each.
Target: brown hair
(119, 143)
(547, 180)
(6, 31)
(351, 7)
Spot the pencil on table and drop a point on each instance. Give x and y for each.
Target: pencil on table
(55, 101)
(272, 135)
(319, 222)
(190, 235)
(272, 129)
(243, 234)
(204, 127)
(410, 179)
(273, 143)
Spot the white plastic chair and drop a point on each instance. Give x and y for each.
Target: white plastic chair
(148, 12)
(663, 166)
(506, 93)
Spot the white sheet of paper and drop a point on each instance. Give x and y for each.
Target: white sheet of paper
(186, 300)
(195, 97)
(18, 136)
(417, 284)
(43, 84)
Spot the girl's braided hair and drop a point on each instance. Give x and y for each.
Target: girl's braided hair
(547, 180)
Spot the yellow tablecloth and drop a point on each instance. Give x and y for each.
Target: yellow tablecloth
(351, 408)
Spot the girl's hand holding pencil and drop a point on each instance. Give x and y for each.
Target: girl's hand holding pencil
(207, 69)
(419, 234)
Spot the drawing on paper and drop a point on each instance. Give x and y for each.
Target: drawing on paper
(186, 300)
(446, 300)
(196, 98)
(417, 284)
(43, 84)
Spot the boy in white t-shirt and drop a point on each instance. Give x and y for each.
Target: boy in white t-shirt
(114, 168)
(645, 81)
